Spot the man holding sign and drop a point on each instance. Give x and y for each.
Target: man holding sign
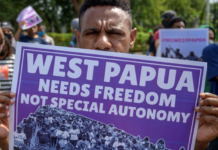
(107, 25)
(28, 20)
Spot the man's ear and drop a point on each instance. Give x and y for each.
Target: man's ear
(77, 33)
(133, 35)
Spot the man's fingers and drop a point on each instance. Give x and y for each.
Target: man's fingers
(6, 99)
(8, 94)
(213, 120)
(209, 119)
(206, 95)
(4, 115)
(3, 107)
(209, 101)
(207, 110)
(3, 131)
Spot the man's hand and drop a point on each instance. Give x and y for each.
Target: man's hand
(5, 102)
(19, 30)
(208, 120)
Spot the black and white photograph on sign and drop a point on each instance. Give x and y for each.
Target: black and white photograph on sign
(182, 148)
(51, 128)
(186, 44)
(177, 53)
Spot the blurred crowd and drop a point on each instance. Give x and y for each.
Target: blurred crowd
(170, 20)
(8, 39)
(37, 35)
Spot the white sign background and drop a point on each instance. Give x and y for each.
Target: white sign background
(185, 47)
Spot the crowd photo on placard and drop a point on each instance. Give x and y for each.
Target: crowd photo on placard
(52, 128)
(137, 27)
(171, 53)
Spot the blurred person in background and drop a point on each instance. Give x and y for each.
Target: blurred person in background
(175, 23)
(74, 27)
(212, 33)
(212, 37)
(152, 48)
(210, 55)
(42, 33)
(6, 63)
(31, 37)
(166, 18)
(8, 32)
(150, 40)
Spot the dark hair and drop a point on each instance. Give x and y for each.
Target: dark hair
(167, 17)
(176, 19)
(7, 50)
(157, 27)
(123, 4)
(41, 24)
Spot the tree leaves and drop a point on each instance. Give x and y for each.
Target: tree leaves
(146, 13)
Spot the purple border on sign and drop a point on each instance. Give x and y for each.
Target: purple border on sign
(106, 57)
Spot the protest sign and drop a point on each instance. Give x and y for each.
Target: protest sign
(92, 95)
(185, 44)
(29, 17)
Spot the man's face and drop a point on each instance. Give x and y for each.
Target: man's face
(8, 31)
(62, 128)
(19, 130)
(177, 51)
(33, 30)
(106, 28)
(178, 25)
(43, 127)
(211, 35)
(41, 28)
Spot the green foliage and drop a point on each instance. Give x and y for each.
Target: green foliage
(214, 17)
(141, 39)
(191, 10)
(55, 13)
(61, 39)
(147, 13)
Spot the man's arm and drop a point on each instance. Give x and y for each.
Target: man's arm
(49, 135)
(4, 121)
(151, 54)
(18, 32)
(200, 145)
(172, 49)
(37, 137)
(217, 77)
(52, 41)
(156, 43)
(4, 143)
